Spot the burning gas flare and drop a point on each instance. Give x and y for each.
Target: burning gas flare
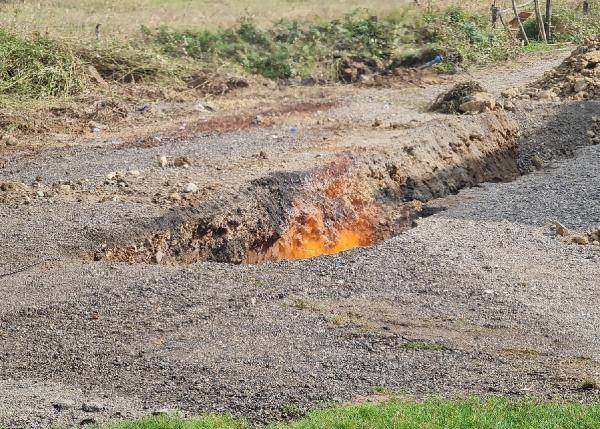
(312, 237)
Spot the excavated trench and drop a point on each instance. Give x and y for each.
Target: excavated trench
(358, 199)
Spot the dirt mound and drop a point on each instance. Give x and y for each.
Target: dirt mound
(453, 100)
(577, 77)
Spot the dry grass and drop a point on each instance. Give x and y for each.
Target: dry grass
(121, 19)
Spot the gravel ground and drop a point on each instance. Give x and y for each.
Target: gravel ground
(479, 299)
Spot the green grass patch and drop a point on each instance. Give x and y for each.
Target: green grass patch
(395, 414)
(318, 48)
(36, 67)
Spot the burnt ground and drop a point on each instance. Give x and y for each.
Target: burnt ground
(480, 298)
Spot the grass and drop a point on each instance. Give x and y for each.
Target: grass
(298, 45)
(321, 48)
(121, 19)
(395, 414)
(36, 67)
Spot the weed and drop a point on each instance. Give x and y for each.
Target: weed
(335, 321)
(316, 49)
(294, 411)
(36, 67)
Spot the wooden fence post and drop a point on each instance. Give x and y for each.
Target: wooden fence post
(549, 20)
(514, 5)
(540, 21)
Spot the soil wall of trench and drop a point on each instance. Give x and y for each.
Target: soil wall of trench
(362, 195)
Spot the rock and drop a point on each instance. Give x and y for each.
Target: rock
(190, 188)
(111, 176)
(263, 155)
(96, 127)
(134, 173)
(509, 105)
(580, 85)
(511, 93)
(87, 421)
(537, 162)
(158, 256)
(175, 196)
(581, 239)
(40, 194)
(258, 120)
(591, 134)
(10, 140)
(182, 161)
(90, 407)
(64, 405)
(162, 161)
(479, 102)
(561, 229)
(376, 123)
(546, 95)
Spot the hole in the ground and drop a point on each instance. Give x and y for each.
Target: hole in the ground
(358, 200)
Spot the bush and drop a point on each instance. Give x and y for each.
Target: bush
(36, 67)
(316, 49)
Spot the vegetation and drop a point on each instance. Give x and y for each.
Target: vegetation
(36, 67)
(395, 414)
(317, 48)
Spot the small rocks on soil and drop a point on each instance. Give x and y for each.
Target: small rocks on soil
(190, 188)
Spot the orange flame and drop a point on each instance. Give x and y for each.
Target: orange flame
(313, 238)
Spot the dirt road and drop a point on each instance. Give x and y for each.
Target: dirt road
(480, 298)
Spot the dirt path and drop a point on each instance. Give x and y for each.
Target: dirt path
(479, 299)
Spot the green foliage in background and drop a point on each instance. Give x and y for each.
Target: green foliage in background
(36, 67)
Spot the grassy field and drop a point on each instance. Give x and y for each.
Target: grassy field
(155, 50)
(122, 18)
(468, 414)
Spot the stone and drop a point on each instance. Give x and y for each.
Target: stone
(90, 407)
(546, 95)
(580, 85)
(10, 140)
(581, 239)
(190, 188)
(537, 162)
(162, 161)
(591, 134)
(175, 196)
(509, 105)
(511, 93)
(134, 173)
(561, 229)
(158, 256)
(111, 176)
(258, 120)
(182, 161)
(479, 102)
(592, 58)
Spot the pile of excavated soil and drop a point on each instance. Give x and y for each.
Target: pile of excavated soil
(577, 77)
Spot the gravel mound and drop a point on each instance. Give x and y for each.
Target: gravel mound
(577, 77)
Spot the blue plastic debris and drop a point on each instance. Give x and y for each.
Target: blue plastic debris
(294, 130)
(437, 60)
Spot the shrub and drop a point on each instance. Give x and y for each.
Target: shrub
(36, 67)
